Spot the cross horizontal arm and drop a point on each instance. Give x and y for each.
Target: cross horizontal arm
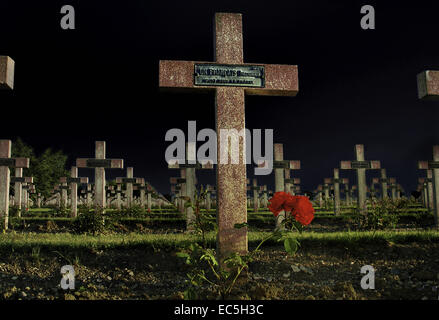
(73, 180)
(99, 163)
(15, 162)
(280, 80)
(6, 72)
(367, 164)
(130, 180)
(428, 85)
(22, 179)
(207, 165)
(283, 164)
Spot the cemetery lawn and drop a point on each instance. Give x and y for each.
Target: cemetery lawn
(144, 266)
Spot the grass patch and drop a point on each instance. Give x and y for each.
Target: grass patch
(66, 241)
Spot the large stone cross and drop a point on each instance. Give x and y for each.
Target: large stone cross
(361, 166)
(231, 79)
(99, 163)
(5, 162)
(434, 166)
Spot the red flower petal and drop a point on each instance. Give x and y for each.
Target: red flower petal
(303, 211)
(277, 202)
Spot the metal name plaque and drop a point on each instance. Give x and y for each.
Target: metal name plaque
(187, 165)
(7, 162)
(99, 163)
(281, 164)
(433, 164)
(229, 75)
(360, 165)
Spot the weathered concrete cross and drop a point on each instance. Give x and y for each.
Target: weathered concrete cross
(99, 163)
(73, 180)
(264, 192)
(372, 190)
(336, 181)
(384, 181)
(18, 180)
(347, 192)
(434, 166)
(64, 194)
(177, 190)
(142, 187)
(326, 188)
(422, 185)
(208, 197)
(28, 188)
(429, 184)
(320, 195)
(129, 180)
(360, 165)
(290, 183)
(189, 188)
(392, 185)
(231, 79)
(429, 181)
(255, 190)
(5, 162)
(280, 166)
(149, 192)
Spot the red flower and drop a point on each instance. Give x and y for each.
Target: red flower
(299, 206)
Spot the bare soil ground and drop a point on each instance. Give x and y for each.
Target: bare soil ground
(403, 271)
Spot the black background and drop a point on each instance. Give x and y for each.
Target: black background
(100, 81)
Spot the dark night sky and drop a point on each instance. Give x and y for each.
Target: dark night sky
(100, 81)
